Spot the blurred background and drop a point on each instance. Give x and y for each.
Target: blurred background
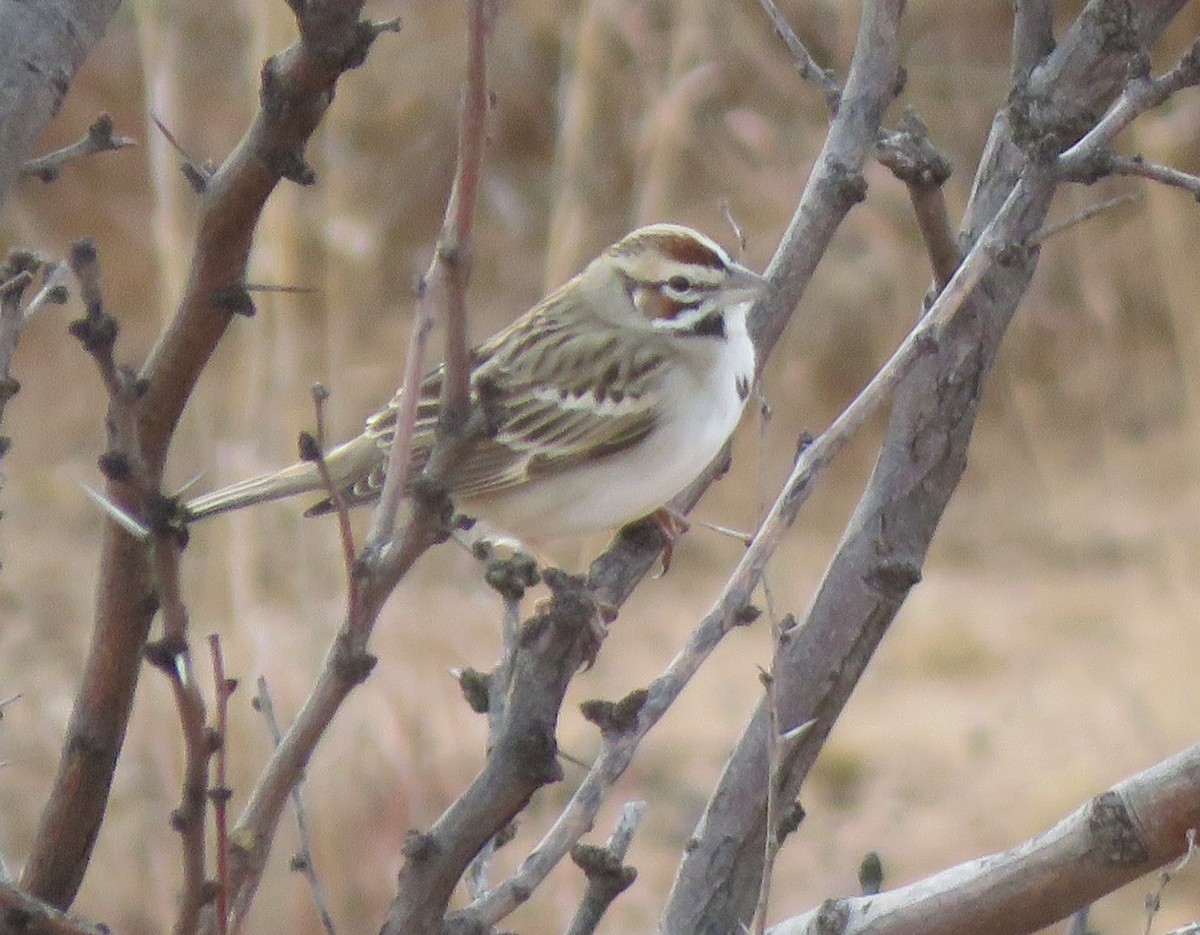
(1049, 651)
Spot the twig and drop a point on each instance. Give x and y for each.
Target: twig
(399, 467)
(1053, 230)
(296, 90)
(220, 791)
(198, 174)
(98, 139)
(510, 578)
(1032, 36)
(453, 251)
(172, 655)
(805, 63)
(914, 160)
(313, 449)
(303, 859)
(40, 918)
(1154, 900)
(773, 838)
(446, 279)
(607, 876)
(1141, 94)
(1164, 175)
(16, 276)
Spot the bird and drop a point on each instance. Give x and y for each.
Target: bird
(605, 399)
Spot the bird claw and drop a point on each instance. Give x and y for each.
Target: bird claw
(672, 525)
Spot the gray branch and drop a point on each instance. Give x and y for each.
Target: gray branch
(42, 45)
(924, 453)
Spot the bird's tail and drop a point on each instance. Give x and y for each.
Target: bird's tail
(345, 463)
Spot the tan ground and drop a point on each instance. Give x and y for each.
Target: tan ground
(1050, 650)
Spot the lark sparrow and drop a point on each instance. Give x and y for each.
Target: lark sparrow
(612, 394)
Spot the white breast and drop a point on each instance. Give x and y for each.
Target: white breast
(707, 400)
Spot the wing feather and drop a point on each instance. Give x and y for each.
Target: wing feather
(566, 392)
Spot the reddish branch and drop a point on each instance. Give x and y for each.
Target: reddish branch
(220, 791)
(297, 87)
(172, 654)
(387, 556)
(443, 288)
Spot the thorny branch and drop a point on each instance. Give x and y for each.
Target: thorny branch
(16, 276)
(220, 792)
(98, 139)
(296, 91)
(303, 858)
(386, 557)
(173, 656)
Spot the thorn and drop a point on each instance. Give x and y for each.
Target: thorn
(127, 522)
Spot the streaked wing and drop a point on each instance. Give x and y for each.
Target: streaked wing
(565, 393)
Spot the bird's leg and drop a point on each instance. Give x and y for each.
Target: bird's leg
(672, 525)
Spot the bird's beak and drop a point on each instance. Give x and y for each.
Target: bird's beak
(744, 285)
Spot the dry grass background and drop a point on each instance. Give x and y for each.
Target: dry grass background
(1050, 650)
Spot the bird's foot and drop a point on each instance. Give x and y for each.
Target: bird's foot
(672, 525)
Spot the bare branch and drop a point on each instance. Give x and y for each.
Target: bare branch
(1141, 94)
(172, 655)
(297, 90)
(39, 57)
(1032, 36)
(446, 281)
(386, 559)
(912, 158)
(303, 859)
(98, 139)
(453, 251)
(220, 792)
(1053, 230)
(1137, 825)
(805, 63)
(835, 186)
(1165, 175)
(923, 455)
(554, 644)
(607, 876)
(313, 449)
(39, 918)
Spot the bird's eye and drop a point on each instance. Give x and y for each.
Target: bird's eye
(679, 283)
